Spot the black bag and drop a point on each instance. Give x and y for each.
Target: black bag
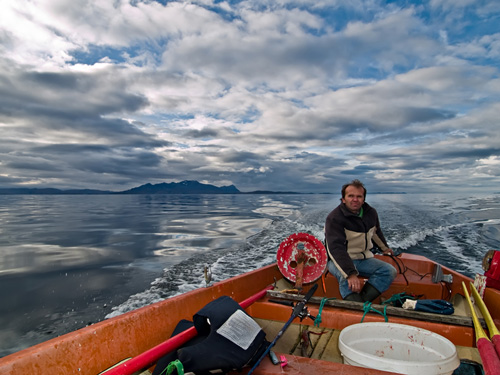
(228, 339)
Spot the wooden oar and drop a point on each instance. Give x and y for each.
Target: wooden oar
(489, 357)
(151, 356)
(492, 328)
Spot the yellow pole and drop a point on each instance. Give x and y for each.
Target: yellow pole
(492, 328)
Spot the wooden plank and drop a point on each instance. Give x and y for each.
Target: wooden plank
(329, 351)
(458, 320)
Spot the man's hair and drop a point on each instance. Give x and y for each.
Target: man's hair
(355, 183)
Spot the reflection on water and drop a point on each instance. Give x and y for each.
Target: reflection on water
(66, 260)
(39, 258)
(47, 233)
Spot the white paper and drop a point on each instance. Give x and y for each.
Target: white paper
(240, 329)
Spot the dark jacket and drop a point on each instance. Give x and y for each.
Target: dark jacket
(349, 236)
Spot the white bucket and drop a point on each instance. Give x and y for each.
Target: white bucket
(398, 348)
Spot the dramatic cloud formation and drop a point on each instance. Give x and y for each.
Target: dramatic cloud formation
(298, 95)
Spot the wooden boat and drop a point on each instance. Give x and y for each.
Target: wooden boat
(93, 349)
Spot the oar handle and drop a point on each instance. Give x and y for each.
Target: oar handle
(489, 356)
(495, 339)
(484, 311)
(492, 328)
(477, 326)
(149, 357)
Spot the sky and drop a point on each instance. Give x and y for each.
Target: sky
(299, 95)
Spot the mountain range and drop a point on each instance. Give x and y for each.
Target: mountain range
(184, 187)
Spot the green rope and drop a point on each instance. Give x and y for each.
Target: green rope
(368, 307)
(400, 297)
(317, 321)
(174, 365)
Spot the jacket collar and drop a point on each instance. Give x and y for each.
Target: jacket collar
(346, 212)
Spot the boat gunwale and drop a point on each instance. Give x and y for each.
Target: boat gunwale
(104, 340)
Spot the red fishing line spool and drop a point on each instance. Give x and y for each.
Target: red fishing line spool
(302, 258)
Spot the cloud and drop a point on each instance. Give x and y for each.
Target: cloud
(293, 95)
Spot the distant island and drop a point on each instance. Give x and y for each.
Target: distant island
(184, 187)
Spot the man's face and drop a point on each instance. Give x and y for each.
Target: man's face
(354, 198)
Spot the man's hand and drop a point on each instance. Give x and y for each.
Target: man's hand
(389, 251)
(355, 284)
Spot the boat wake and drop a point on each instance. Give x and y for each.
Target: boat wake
(257, 251)
(449, 236)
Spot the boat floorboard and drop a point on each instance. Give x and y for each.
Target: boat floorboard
(323, 342)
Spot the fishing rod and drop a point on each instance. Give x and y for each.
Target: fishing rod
(300, 311)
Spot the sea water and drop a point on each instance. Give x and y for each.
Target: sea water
(70, 261)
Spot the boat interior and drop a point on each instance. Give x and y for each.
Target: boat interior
(312, 339)
(320, 341)
(306, 347)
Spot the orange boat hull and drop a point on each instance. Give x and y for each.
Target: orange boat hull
(95, 348)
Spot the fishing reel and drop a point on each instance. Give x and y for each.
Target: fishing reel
(304, 313)
(299, 310)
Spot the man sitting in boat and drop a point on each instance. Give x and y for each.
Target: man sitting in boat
(351, 230)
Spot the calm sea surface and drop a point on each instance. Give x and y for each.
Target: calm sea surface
(70, 261)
